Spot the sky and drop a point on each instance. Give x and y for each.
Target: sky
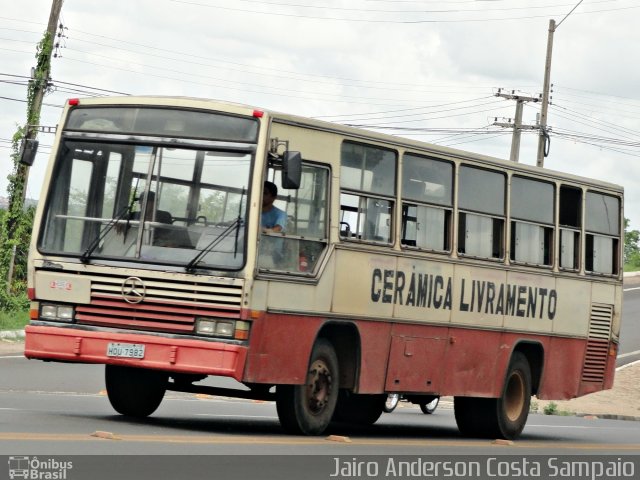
(427, 70)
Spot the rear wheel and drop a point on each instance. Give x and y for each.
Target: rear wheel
(135, 392)
(359, 409)
(307, 409)
(503, 417)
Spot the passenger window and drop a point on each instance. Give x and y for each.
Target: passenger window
(427, 203)
(602, 234)
(367, 192)
(531, 221)
(570, 227)
(482, 213)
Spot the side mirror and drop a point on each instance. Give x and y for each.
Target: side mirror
(28, 151)
(291, 170)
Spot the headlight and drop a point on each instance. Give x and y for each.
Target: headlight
(49, 312)
(60, 313)
(205, 327)
(214, 328)
(222, 328)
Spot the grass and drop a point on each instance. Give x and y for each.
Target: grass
(14, 320)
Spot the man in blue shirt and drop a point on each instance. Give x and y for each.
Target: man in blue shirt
(273, 219)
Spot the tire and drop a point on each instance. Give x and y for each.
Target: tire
(429, 407)
(307, 409)
(391, 402)
(503, 417)
(359, 409)
(135, 392)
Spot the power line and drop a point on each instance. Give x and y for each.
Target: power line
(387, 21)
(24, 101)
(594, 92)
(283, 92)
(430, 118)
(596, 121)
(373, 10)
(274, 72)
(567, 15)
(387, 117)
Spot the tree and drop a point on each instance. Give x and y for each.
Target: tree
(631, 248)
(15, 228)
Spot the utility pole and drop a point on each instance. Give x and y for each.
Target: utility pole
(542, 139)
(41, 85)
(517, 124)
(37, 90)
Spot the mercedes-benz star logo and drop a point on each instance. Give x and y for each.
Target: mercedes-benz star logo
(133, 290)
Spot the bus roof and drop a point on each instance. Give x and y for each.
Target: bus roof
(354, 132)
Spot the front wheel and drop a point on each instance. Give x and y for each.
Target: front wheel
(135, 392)
(503, 417)
(307, 409)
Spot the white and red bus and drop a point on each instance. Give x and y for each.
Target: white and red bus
(403, 267)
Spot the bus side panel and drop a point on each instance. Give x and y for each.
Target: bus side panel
(415, 358)
(375, 339)
(280, 347)
(473, 362)
(562, 369)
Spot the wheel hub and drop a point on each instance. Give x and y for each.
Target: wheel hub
(515, 396)
(319, 386)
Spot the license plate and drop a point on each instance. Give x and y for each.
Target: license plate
(126, 350)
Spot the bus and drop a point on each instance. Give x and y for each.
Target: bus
(401, 267)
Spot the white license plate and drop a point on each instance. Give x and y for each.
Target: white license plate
(126, 350)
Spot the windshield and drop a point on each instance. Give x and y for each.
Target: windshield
(148, 202)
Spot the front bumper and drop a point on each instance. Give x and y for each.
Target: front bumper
(161, 353)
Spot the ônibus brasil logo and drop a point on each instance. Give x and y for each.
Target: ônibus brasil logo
(33, 468)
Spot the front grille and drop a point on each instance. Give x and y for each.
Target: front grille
(595, 360)
(169, 306)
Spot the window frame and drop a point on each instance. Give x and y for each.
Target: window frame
(499, 222)
(565, 191)
(407, 202)
(310, 267)
(591, 234)
(366, 196)
(547, 228)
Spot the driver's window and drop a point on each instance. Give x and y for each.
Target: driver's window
(294, 237)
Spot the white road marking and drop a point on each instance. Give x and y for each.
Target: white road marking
(269, 417)
(629, 354)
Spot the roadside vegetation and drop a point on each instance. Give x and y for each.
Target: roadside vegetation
(631, 248)
(14, 304)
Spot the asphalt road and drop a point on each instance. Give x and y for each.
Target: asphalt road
(54, 408)
(630, 330)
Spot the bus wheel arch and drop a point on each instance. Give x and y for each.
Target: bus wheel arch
(534, 353)
(346, 341)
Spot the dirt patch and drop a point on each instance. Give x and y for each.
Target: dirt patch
(622, 401)
(11, 347)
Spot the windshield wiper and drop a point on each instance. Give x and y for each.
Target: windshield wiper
(235, 225)
(126, 210)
